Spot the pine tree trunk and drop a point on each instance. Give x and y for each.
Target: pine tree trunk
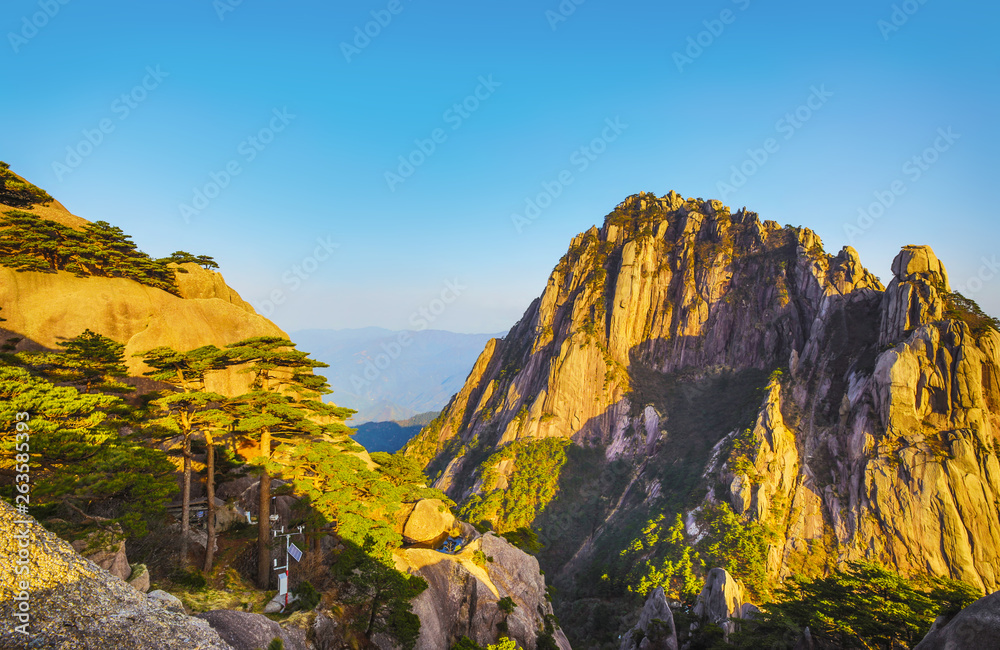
(186, 502)
(264, 517)
(371, 617)
(210, 494)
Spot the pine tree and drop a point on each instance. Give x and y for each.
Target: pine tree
(20, 193)
(90, 361)
(187, 410)
(184, 257)
(282, 406)
(383, 593)
(81, 457)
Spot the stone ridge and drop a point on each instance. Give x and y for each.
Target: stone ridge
(877, 441)
(76, 605)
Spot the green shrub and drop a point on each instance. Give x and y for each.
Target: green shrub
(308, 597)
(190, 578)
(958, 307)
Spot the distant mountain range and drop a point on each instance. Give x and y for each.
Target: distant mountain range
(391, 375)
(391, 436)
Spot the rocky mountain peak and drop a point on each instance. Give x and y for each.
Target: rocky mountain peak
(920, 263)
(916, 296)
(711, 356)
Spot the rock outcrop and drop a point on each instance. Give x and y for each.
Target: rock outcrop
(857, 421)
(462, 596)
(976, 626)
(721, 600)
(655, 629)
(72, 603)
(45, 308)
(248, 631)
(110, 557)
(428, 521)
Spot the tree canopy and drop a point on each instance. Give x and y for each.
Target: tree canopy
(30, 243)
(19, 193)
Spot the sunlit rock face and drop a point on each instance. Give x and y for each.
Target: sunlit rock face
(462, 597)
(74, 604)
(655, 341)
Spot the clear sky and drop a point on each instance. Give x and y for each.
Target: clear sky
(313, 126)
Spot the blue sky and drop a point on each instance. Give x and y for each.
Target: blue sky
(694, 89)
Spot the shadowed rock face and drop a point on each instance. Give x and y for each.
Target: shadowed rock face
(248, 631)
(74, 604)
(655, 630)
(720, 600)
(877, 441)
(976, 626)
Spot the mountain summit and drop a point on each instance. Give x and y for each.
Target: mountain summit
(705, 361)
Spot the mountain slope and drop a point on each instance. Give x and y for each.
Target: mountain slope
(699, 357)
(44, 308)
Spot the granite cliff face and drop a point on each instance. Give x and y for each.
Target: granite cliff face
(711, 357)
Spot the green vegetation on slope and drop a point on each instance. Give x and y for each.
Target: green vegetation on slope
(30, 243)
(84, 452)
(18, 193)
(531, 484)
(967, 310)
(864, 606)
(99, 463)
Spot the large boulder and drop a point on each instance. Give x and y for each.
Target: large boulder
(430, 520)
(720, 600)
(167, 600)
(139, 578)
(75, 605)
(976, 626)
(656, 629)
(109, 555)
(248, 631)
(462, 596)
